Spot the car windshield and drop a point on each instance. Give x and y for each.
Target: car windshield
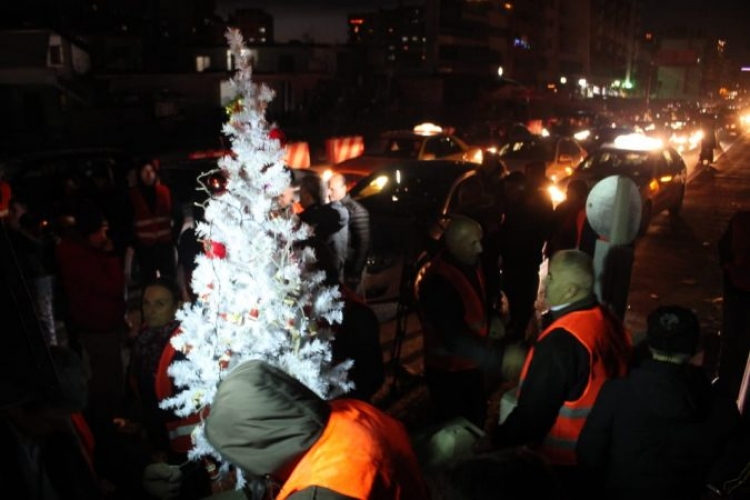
(617, 160)
(397, 147)
(427, 188)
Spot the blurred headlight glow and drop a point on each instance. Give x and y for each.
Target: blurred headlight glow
(556, 194)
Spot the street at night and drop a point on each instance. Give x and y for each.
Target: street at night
(375, 249)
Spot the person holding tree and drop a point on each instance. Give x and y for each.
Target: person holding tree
(288, 440)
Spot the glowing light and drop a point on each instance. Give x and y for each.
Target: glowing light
(380, 182)
(665, 178)
(582, 135)
(563, 80)
(500, 71)
(638, 142)
(327, 175)
(556, 194)
(582, 83)
(427, 129)
(544, 132)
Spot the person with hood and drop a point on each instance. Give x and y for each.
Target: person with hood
(282, 435)
(657, 432)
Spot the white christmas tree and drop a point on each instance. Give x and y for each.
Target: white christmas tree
(260, 296)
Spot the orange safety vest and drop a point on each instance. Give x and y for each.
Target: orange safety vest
(475, 316)
(603, 341)
(155, 226)
(362, 453)
(180, 429)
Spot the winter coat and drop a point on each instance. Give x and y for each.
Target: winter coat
(94, 286)
(359, 237)
(267, 423)
(655, 433)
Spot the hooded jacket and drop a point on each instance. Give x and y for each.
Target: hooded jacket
(655, 433)
(268, 423)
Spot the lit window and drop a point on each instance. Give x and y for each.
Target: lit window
(262, 29)
(202, 63)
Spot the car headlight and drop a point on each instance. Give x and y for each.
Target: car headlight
(556, 194)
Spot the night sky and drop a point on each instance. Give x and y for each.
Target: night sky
(325, 20)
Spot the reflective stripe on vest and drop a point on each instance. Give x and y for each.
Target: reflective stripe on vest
(596, 331)
(179, 429)
(153, 226)
(362, 453)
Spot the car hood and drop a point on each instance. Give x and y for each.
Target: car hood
(593, 176)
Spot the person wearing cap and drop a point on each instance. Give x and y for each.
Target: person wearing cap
(657, 432)
(283, 437)
(581, 346)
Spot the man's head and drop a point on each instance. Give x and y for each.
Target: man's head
(160, 301)
(148, 173)
(311, 191)
(286, 198)
(673, 334)
(463, 239)
(336, 187)
(570, 277)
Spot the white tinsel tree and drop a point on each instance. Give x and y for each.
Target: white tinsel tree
(259, 296)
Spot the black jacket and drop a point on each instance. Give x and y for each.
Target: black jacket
(656, 433)
(359, 237)
(559, 372)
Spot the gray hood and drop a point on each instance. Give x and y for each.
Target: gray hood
(262, 419)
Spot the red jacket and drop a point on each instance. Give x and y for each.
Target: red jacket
(94, 285)
(179, 429)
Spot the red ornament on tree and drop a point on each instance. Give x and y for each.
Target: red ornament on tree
(214, 249)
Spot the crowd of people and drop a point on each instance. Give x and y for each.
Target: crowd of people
(590, 417)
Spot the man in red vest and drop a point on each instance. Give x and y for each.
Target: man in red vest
(581, 346)
(287, 440)
(154, 212)
(461, 363)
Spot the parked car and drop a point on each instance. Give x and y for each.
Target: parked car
(658, 171)
(409, 202)
(560, 154)
(425, 142)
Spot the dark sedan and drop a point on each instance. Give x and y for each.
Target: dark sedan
(408, 202)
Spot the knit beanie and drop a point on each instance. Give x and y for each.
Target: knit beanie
(673, 330)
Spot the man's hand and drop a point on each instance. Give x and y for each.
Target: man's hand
(497, 328)
(162, 480)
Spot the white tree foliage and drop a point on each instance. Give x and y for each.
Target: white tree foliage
(259, 296)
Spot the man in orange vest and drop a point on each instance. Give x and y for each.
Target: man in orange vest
(461, 363)
(581, 346)
(288, 441)
(154, 212)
